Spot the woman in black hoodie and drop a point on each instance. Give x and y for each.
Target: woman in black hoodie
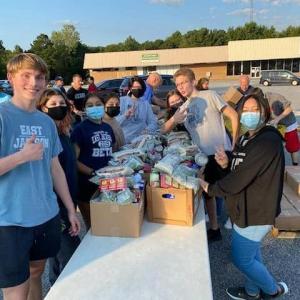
(252, 189)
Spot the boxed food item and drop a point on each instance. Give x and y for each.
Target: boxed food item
(110, 218)
(232, 95)
(172, 206)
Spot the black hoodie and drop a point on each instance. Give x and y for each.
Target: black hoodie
(253, 188)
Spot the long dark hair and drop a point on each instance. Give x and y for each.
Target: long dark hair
(262, 103)
(63, 126)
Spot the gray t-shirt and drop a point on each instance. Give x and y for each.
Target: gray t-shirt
(205, 122)
(26, 192)
(278, 104)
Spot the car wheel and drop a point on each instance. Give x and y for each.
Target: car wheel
(294, 82)
(265, 83)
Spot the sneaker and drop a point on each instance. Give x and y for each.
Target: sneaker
(228, 224)
(239, 293)
(283, 289)
(214, 235)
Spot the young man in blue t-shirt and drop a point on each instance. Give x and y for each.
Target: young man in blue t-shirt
(29, 170)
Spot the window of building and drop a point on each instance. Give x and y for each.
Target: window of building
(255, 63)
(288, 64)
(246, 67)
(279, 65)
(237, 68)
(265, 65)
(272, 64)
(230, 69)
(295, 66)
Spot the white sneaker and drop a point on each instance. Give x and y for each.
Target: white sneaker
(228, 224)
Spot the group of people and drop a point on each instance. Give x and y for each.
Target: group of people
(52, 141)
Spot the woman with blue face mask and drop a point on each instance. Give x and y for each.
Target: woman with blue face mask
(94, 142)
(252, 190)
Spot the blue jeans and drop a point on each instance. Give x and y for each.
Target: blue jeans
(246, 256)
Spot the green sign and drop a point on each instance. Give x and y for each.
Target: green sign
(150, 57)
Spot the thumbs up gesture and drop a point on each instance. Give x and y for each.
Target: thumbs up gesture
(32, 151)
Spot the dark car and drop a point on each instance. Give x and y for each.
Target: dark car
(269, 77)
(6, 87)
(161, 92)
(109, 86)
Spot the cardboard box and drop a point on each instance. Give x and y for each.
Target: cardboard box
(112, 219)
(232, 95)
(289, 218)
(293, 178)
(172, 206)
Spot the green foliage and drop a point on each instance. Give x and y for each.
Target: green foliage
(64, 52)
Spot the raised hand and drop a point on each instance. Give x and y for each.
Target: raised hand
(221, 157)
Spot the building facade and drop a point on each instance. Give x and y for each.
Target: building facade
(220, 62)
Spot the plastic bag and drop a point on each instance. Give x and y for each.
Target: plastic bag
(125, 197)
(201, 159)
(107, 196)
(168, 163)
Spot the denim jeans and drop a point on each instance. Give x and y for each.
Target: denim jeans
(246, 256)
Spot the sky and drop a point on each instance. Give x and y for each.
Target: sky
(103, 22)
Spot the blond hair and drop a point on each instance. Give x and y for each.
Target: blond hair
(185, 72)
(26, 61)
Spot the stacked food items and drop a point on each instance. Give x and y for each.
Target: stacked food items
(174, 162)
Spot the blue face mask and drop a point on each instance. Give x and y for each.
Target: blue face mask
(251, 120)
(95, 112)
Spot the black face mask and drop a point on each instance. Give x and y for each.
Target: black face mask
(58, 112)
(113, 111)
(137, 93)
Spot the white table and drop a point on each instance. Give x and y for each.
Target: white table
(167, 262)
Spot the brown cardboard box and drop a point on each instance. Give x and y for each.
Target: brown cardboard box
(179, 209)
(293, 178)
(289, 218)
(111, 219)
(232, 95)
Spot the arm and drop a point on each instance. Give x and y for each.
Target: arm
(286, 111)
(161, 103)
(230, 113)
(151, 120)
(82, 168)
(29, 152)
(258, 157)
(61, 188)
(177, 118)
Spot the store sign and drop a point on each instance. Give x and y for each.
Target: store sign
(150, 58)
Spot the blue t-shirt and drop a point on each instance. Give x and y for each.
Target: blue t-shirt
(95, 142)
(26, 192)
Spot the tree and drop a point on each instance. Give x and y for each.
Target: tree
(131, 44)
(3, 60)
(68, 37)
(173, 41)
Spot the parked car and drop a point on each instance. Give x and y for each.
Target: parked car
(269, 77)
(7, 88)
(109, 86)
(161, 92)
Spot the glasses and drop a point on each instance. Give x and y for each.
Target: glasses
(180, 84)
